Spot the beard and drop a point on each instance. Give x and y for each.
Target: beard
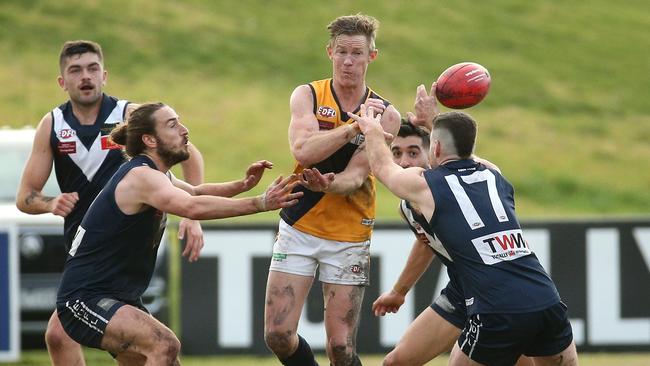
(89, 100)
(172, 157)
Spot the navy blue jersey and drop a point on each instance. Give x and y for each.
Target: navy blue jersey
(84, 157)
(113, 254)
(474, 218)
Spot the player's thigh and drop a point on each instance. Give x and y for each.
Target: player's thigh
(285, 296)
(458, 358)
(568, 357)
(342, 308)
(55, 332)
(426, 337)
(133, 331)
(525, 361)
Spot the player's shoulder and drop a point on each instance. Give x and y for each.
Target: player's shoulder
(45, 123)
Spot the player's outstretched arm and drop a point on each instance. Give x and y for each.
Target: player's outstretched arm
(29, 198)
(417, 263)
(147, 186)
(358, 168)
(252, 177)
(308, 144)
(408, 183)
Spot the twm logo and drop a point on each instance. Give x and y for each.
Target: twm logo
(66, 133)
(502, 246)
(326, 111)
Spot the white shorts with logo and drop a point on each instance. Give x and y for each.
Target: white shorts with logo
(339, 262)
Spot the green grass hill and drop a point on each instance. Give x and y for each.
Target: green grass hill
(567, 117)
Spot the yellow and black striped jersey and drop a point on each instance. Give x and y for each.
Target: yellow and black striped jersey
(330, 216)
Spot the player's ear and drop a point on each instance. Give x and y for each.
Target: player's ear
(149, 140)
(61, 82)
(373, 54)
(328, 49)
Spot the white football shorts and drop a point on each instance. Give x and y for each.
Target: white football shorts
(339, 262)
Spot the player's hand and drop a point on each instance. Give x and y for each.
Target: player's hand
(254, 173)
(63, 204)
(278, 194)
(378, 106)
(368, 121)
(388, 302)
(426, 107)
(313, 180)
(191, 231)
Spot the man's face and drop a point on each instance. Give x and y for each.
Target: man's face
(350, 57)
(408, 152)
(172, 137)
(83, 77)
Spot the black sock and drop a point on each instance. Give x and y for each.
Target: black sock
(303, 355)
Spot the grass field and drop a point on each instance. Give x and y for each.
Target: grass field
(97, 358)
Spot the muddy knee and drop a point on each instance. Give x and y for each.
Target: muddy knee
(167, 349)
(280, 343)
(342, 354)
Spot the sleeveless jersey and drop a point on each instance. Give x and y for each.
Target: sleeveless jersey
(474, 217)
(331, 216)
(84, 157)
(113, 254)
(418, 224)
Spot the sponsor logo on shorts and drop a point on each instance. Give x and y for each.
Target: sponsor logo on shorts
(279, 257)
(355, 268)
(469, 302)
(106, 303)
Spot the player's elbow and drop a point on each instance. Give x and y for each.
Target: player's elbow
(302, 157)
(190, 209)
(21, 202)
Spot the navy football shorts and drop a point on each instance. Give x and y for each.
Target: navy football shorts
(450, 305)
(85, 319)
(500, 339)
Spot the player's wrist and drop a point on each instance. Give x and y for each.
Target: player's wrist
(401, 289)
(352, 130)
(260, 202)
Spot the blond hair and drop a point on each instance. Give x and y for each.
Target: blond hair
(353, 25)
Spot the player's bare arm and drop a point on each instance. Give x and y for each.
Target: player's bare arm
(407, 183)
(144, 186)
(358, 169)
(309, 145)
(252, 177)
(30, 198)
(417, 263)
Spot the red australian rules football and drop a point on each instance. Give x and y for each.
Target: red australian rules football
(463, 85)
